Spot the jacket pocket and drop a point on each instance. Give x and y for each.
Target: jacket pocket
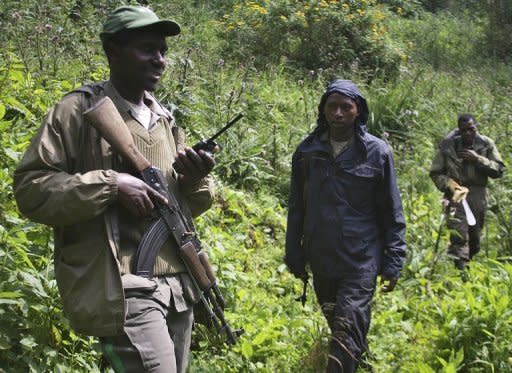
(90, 287)
(363, 174)
(360, 185)
(355, 239)
(133, 282)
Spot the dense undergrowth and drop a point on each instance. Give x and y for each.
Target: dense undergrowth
(430, 70)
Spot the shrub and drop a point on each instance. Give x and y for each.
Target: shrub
(312, 34)
(443, 41)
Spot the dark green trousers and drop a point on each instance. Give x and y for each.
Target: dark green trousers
(157, 337)
(465, 239)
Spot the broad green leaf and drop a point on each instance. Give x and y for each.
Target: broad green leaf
(28, 343)
(57, 336)
(16, 75)
(247, 349)
(260, 338)
(5, 342)
(8, 301)
(5, 124)
(15, 156)
(9, 295)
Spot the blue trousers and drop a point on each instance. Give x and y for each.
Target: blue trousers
(346, 304)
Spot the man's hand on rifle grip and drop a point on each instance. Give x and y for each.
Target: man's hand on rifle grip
(193, 166)
(137, 196)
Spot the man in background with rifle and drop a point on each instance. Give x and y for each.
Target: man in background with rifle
(114, 283)
(462, 165)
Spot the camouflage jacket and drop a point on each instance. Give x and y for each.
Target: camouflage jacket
(447, 165)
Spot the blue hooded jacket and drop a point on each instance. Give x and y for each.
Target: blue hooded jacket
(345, 214)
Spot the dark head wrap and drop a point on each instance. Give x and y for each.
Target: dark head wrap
(346, 88)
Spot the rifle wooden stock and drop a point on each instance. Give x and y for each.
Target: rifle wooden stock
(189, 255)
(105, 117)
(203, 257)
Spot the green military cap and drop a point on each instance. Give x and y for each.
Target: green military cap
(133, 17)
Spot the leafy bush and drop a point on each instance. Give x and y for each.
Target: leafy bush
(499, 28)
(50, 35)
(452, 324)
(34, 334)
(442, 41)
(312, 34)
(405, 8)
(278, 112)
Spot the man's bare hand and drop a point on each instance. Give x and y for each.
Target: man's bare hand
(459, 194)
(193, 166)
(136, 195)
(388, 282)
(468, 155)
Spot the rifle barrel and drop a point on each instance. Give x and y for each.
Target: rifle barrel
(230, 123)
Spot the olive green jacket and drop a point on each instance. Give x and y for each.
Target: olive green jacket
(65, 180)
(447, 165)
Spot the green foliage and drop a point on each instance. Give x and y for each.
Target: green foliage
(482, 25)
(256, 151)
(34, 334)
(499, 28)
(405, 8)
(442, 41)
(312, 34)
(457, 324)
(438, 320)
(52, 34)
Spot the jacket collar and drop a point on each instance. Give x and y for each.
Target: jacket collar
(320, 143)
(478, 142)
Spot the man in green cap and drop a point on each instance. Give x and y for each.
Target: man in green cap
(70, 179)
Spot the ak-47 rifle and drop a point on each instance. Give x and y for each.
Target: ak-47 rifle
(105, 117)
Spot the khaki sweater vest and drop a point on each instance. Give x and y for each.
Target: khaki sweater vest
(157, 145)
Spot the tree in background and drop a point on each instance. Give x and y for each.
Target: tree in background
(499, 28)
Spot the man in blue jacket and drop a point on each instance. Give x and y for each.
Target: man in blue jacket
(345, 219)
